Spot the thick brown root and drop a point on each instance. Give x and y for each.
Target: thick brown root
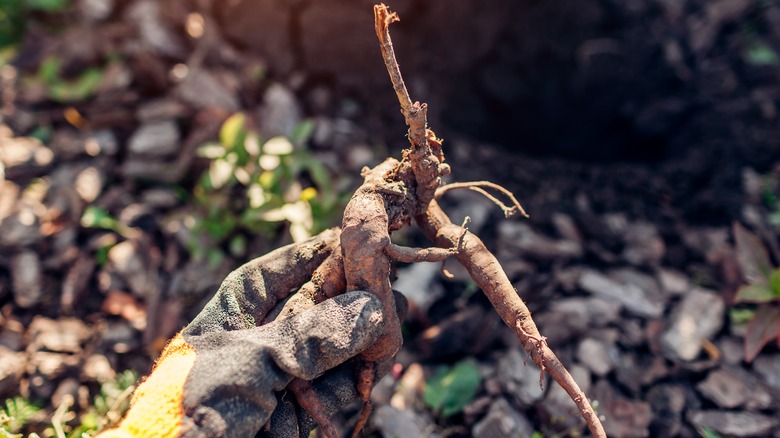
(488, 274)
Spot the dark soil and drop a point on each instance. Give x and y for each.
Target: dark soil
(634, 132)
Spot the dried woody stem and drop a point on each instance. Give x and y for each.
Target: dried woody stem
(472, 253)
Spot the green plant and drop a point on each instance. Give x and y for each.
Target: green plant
(109, 406)
(14, 15)
(451, 389)
(761, 294)
(60, 89)
(257, 186)
(706, 432)
(17, 413)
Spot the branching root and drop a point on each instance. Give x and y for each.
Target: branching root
(477, 186)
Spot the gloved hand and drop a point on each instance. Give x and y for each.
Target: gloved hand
(218, 377)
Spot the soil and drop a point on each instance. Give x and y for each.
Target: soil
(634, 132)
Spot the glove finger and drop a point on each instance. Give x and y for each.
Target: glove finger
(231, 385)
(335, 389)
(251, 291)
(318, 339)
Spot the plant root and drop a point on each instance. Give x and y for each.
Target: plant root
(477, 187)
(488, 274)
(308, 400)
(392, 194)
(365, 384)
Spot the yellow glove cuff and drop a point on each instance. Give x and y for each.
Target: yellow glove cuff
(156, 407)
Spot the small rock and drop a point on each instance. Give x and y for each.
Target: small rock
(735, 424)
(74, 286)
(520, 238)
(67, 391)
(160, 198)
(732, 387)
(732, 350)
(566, 228)
(154, 31)
(615, 224)
(126, 259)
(280, 113)
(631, 296)
(709, 243)
(415, 282)
(643, 245)
(718, 13)
(409, 388)
(637, 370)
(20, 229)
(360, 155)
(752, 184)
(668, 402)
(127, 306)
(51, 365)
(101, 142)
(647, 283)
(521, 377)
(69, 144)
(156, 139)
(557, 407)
(89, 184)
(570, 317)
(471, 331)
(597, 356)
(27, 279)
(698, 317)
(768, 369)
(98, 368)
(502, 421)
(202, 89)
(11, 369)
(23, 156)
(119, 337)
(392, 422)
(673, 282)
(624, 417)
(65, 335)
(96, 9)
(160, 110)
(9, 196)
(40, 386)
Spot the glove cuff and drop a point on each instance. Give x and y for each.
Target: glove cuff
(156, 407)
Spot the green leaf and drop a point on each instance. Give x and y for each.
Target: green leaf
(47, 5)
(741, 316)
(761, 53)
(755, 293)
(752, 256)
(233, 132)
(42, 133)
(764, 327)
(96, 217)
(17, 413)
(12, 24)
(220, 173)
(303, 132)
(706, 432)
(237, 245)
(49, 70)
(450, 390)
(774, 282)
(81, 88)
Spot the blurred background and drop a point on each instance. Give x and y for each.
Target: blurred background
(147, 148)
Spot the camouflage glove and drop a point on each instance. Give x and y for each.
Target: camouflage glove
(219, 376)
